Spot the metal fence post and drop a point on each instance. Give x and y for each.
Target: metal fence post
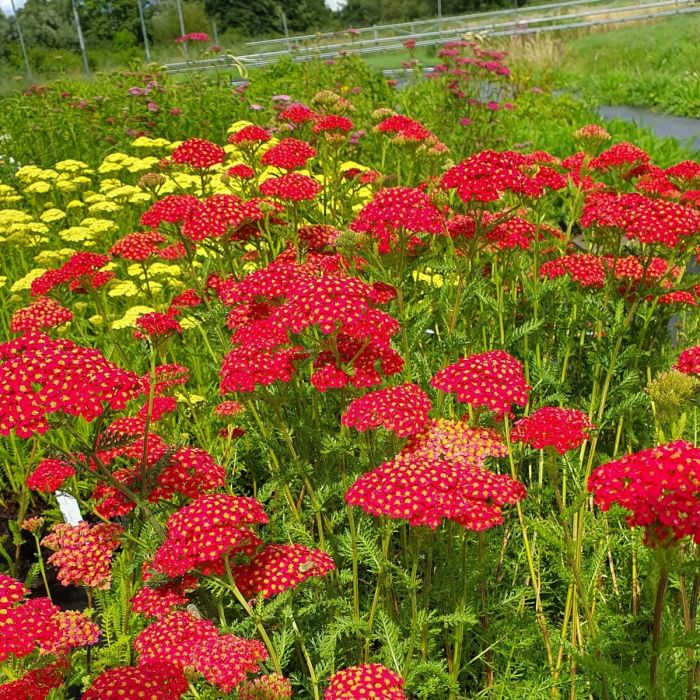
(21, 42)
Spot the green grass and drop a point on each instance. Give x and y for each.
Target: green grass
(654, 65)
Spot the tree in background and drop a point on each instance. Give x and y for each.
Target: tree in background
(166, 25)
(48, 24)
(105, 20)
(265, 16)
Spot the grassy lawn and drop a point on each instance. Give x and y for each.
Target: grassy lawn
(654, 65)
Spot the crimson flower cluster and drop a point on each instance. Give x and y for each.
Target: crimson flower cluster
(492, 379)
(273, 305)
(28, 625)
(199, 154)
(689, 361)
(396, 210)
(440, 473)
(206, 530)
(81, 272)
(289, 154)
(155, 680)
(401, 409)
(486, 176)
(646, 219)
(190, 644)
(41, 376)
(145, 245)
(83, 552)
(563, 429)
(365, 681)
(659, 486)
(43, 313)
(280, 567)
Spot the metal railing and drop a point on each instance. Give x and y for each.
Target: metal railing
(526, 26)
(417, 25)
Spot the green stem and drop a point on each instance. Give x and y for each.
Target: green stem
(274, 658)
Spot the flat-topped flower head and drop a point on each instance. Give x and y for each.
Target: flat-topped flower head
(174, 639)
(291, 187)
(142, 246)
(689, 361)
(83, 552)
(398, 209)
(226, 660)
(154, 680)
(12, 592)
(455, 441)
(401, 409)
(41, 314)
(41, 376)
(279, 567)
(199, 153)
(493, 379)
(206, 530)
(82, 271)
(271, 687)
(486, 176)
(157, 326)
(289, 154)
(646, 219)
(159, 601)
(563, 429)
(424, 490)
(659, 486)
(189, 471)
(49, 475)
(36, 684)
(251, 134)
(366, 681)
(297, 113)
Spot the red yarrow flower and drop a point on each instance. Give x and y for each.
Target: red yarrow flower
(41, 376)
(658, 486)
(206, 530)
(333, 122)
(401, 409)
(154, 680)
(199, 153)
(49, 475)
(563, 429)
(279, 567)
(289, 154)
(292, 187)
(157, 326)
(689, 361)
(492, 379)
(424, 490)
(41, 314)
(250, 134)
(83, 553)
(365, 681)
(398, 209)
(81, 271)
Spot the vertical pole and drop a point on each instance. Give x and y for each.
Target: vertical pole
(21, 42)
(286, 30)
(439, 2)
(181, 19)
(215, 31)
(142, 19)
(81, 39)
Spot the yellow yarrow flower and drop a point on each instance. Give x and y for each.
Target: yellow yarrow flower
(128, 320)
(38, 187)
(24, 283)
(52, 214)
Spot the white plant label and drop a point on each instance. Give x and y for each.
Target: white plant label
(69, 508)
